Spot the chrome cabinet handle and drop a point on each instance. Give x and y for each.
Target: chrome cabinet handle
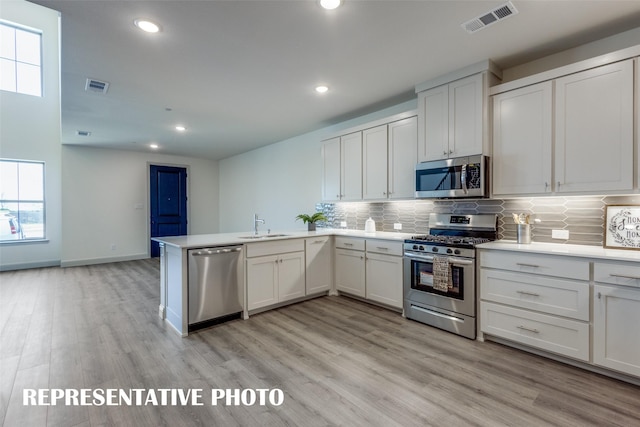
(382, 248)
(624, 276)
(528, 293)
(527, 265)
(546, 186)
(348, 244)
(524, 328)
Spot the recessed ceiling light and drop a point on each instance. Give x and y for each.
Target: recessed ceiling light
(180, 128)
(146, 25)
(322, 89)
(154, 146)
(330, 4)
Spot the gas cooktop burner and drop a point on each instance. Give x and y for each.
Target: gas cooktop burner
(449, 240)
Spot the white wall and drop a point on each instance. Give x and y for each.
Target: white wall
(281, 180)
(30, 130)
(106, 202)
(590, 50)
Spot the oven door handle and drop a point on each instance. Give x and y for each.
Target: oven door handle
(452, 260)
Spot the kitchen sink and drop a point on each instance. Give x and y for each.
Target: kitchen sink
(264, 236)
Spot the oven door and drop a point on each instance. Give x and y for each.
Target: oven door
(418, 284)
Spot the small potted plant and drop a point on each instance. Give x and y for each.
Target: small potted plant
(311, 220)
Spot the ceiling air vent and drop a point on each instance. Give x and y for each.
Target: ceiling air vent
(98, 86)
(501, 12)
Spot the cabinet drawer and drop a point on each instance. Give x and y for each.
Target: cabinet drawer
(561, 297)
(275, 247)
(384, 247)
(350, 243)
(547, 265)
(618, 273)
(562, 336)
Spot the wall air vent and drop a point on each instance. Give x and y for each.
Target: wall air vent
(97, 86)
(501, 12)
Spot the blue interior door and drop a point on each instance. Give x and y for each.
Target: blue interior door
(168, 201)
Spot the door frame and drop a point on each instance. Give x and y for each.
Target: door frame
(148, 202)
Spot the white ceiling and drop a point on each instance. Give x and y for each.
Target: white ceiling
(240, 74)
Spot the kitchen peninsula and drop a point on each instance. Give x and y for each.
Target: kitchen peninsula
(305, 251)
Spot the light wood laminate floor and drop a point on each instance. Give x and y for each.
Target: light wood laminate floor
(338, 362)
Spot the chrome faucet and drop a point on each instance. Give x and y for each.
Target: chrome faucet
(256, 221)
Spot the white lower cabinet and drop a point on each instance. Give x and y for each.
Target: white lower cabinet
(616, 316)
(350, 272)
(275, 272)
(319, 272)
(536, 300)
(384, 279)
(370, 269)
(587, 309)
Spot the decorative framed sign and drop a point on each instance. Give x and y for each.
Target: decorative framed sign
(622, 227)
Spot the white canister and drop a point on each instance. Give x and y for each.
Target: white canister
(370, 226)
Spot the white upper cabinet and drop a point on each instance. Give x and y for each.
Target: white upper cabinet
(594, 129)
(351, 167)
(374, 164)
(331, 169)
(522, 140)
(390, 154)
(638, 122)
(451, 119)
(342, 168)
(403, 156)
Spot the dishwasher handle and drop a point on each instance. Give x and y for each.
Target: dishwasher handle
(214, 251)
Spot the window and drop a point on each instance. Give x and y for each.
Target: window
(21, 200)
(20, 60)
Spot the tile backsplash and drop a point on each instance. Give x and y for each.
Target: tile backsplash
(583, 216)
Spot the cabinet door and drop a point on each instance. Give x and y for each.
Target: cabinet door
(262, 277)
(403, 156)
(350, 272)
(638, 121)
(465, 116)
(522, 138)
(616, 315)
(331, 170)
(384, 279)
(374, 164)
(291, 276)
(433, 124)
(351, 166)
(319, 266)
(594, 129)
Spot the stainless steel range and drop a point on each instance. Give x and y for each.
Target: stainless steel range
(440, 271)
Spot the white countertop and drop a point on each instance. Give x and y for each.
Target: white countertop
(225, 239)
(582, 251)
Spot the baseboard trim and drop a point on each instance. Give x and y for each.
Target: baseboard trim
(93, 261)
(29, 265)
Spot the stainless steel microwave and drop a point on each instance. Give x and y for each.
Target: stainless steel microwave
(453, 178)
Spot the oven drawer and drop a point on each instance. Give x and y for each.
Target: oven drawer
(561, 336)
(547, 265)
(350, 243)
(560, 297)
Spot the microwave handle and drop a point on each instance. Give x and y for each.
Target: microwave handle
(463, 178)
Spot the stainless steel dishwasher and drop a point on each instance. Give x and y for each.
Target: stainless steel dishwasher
(216, 280)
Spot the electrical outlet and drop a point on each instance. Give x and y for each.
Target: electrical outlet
(560, 234)
(113, 246)
(397, 226)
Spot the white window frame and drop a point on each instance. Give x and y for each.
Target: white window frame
(16, 74)
(19, 200)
